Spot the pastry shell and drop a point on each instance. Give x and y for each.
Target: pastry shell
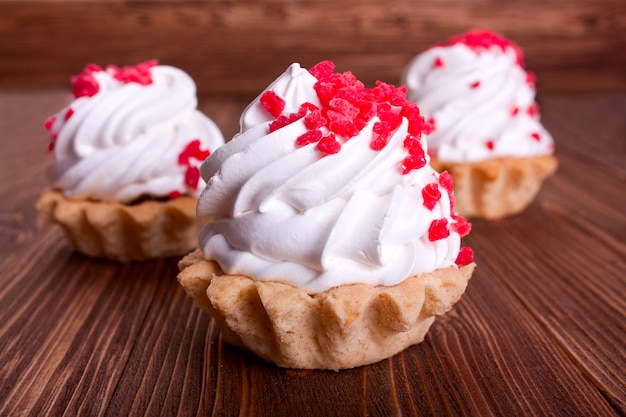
(150, 229)
(344, 327)
(499, 187)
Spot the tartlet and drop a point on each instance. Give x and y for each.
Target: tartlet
(486, 131)
(340, 328)
(125, 178)
(333, 242)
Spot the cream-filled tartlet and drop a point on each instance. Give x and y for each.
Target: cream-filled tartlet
(127, 150)
(334, 244)
(480, 102)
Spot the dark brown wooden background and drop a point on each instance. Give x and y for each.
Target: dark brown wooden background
(541, 330)
(237, 47)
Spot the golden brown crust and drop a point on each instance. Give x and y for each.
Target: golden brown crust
(150, 229)
(497, 188)
(344, 327)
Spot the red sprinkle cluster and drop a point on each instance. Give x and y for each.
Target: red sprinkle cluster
(481, 40)
(192, 174)
(441, 228)
(85, 84)
(139, 73)
(431, 195)
(346, 108)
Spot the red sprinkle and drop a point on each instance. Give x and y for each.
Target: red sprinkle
(344, 107)
(329, 145)
(314, 120)
(412, 144)
(311, 136)
(438, 62)
(460, 225)
(530, 78)
(412, 162)
(341, 125)
(383, 133)
(85, 85)
(514, 111)
(174, 194)
(192, 176)
(280, 121)
(490, 145)
(69, 113)
(536, 136)
(533, 110)
(431, 195)
(49, 122)
(391, 119)
(192, 150)
(438, 230)
(465, 257)
(272, 103)
(323, 70)
(475, 84)
(445, 180)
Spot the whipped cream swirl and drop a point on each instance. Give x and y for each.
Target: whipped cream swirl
(479, 99)
(131, 132)
(291, 213)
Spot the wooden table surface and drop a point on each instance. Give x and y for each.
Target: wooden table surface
(541, 330)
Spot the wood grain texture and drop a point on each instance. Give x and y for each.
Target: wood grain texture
(571, 45)
(540, 331)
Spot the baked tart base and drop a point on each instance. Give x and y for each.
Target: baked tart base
(146, 230)
(344, 327)
(497, 188)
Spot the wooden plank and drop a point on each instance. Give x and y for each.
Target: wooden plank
(238, 47)
(61, 353)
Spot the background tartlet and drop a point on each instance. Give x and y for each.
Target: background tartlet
(125, 178)
(480, 103)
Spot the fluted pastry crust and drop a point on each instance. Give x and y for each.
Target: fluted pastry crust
(499, 187)
(150, 229)
(344, 327)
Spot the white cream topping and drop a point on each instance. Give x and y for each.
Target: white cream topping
(291, 214)
(123, 142)
(472, 96)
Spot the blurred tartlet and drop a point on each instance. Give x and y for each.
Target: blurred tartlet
(334, 243)
(125, 178)
(480, 102)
